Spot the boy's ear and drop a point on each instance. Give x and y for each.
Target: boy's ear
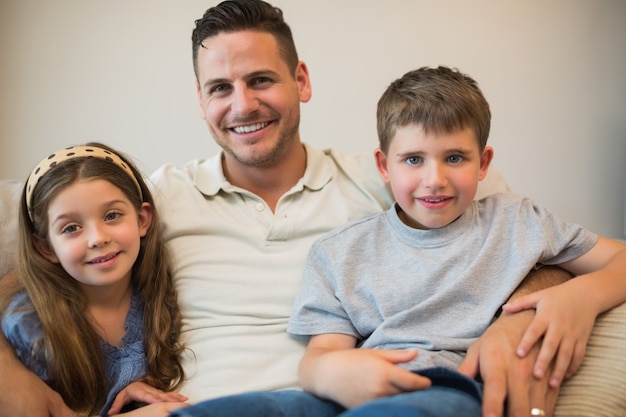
(145, 218)
(485, 161)
(381, 164)
(44, 249)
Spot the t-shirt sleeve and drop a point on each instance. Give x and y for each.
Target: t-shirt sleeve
(317, 309)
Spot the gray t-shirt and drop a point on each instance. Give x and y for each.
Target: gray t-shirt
(395, 287)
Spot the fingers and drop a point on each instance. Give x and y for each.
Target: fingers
(524, 392)
(58, 408)
(406, 381)
(579, 354)
(526, 302)
(400, 379)
(396, 356)
(469, 366)
(154, 395)
(494, 394)
(568, 361)
(533, 333)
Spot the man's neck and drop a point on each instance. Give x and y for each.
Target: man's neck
(270, 183)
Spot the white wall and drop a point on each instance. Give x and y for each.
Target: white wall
(120, 72)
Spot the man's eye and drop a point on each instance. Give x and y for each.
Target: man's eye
(259, 81)
(219, 89)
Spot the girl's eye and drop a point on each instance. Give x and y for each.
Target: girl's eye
(413, 160)
(69, 229)
(112, 216)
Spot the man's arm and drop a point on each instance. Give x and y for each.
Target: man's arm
(505, 374)
(22, 393)
(547, 276)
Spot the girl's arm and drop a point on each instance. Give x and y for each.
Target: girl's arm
(333, 368)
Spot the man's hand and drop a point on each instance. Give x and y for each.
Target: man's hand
(24, 394)
(564, 320)
(506, 376)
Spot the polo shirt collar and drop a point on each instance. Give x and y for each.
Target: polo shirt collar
(210, 179)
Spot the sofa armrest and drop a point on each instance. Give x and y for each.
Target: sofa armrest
(597, 389)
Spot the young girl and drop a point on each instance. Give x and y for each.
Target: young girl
(94, 311)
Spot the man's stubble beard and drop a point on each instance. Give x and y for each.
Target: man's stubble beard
(271, 158)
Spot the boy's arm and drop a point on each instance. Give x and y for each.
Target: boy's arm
(333, 368)
(506, 375)
(22, 393)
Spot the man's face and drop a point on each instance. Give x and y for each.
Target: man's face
(249, 98)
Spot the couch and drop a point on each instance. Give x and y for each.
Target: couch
(597, 390)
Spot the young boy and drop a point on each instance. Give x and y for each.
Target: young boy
(393, 301)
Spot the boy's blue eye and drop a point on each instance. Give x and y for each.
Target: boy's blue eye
(455, 159)
(413, 160)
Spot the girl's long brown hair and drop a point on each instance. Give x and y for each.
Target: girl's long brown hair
(76, 368)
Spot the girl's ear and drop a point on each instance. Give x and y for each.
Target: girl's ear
(44, 249)
(145, 218)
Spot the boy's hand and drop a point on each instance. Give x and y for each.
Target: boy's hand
(565, 319)
(355, 376)
(144, 393)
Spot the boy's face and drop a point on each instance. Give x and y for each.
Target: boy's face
(434, 177)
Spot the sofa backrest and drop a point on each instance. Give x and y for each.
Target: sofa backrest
(10, 192)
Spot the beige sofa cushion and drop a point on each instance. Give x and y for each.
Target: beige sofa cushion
(10, 192)
(599, 387)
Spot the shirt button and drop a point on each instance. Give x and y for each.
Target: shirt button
(260, 207)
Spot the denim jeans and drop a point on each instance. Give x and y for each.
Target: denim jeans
(451, 395)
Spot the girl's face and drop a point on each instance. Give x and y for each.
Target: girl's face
(433, 177)
(94, 233)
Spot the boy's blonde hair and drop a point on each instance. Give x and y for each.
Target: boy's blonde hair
(440, 100)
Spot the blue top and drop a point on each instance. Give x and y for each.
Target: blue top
(124, 365)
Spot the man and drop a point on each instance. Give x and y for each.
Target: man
(241, 223)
